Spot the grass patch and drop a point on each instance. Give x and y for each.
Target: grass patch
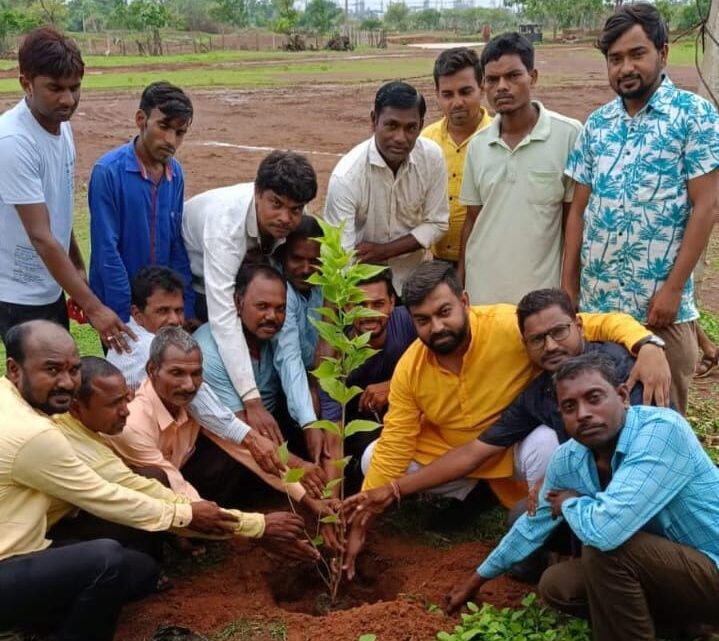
(703, 416)
(682, 52)
(709, 322)
(252, 630)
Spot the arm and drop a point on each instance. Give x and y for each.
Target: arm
(341, 207)
(179, 260)
(664, 304)
(207, 409)
(467, 227)
(469, 195)
(369, 252)
(76, 256)
(573, 235)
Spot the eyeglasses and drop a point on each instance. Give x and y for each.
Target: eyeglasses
(558, 333)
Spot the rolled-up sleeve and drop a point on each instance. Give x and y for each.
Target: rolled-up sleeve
(341, 207)
(209, 411)
(435, 221)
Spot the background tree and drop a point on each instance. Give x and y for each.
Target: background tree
(230, 12)
(397, 17)
(285, 16)
(427, 19)
(321, 16)
(147, 16)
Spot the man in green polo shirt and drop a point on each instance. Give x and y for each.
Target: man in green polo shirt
(514, 175)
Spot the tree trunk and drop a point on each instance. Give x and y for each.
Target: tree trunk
(710, 64)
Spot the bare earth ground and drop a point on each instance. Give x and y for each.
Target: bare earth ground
(232, 131)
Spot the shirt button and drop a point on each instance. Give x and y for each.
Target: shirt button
(450, 197)
(629, 153)
(454, 175)
(621, 206)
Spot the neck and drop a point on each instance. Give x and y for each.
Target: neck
(145, 159)
(50, 126)
(254, 344)
(453, 361)
(520, 121)
(460, 134)
(635, 105)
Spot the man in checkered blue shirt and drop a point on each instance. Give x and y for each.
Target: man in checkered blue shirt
(638, 490)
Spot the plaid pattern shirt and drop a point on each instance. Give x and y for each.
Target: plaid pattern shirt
(662, 482)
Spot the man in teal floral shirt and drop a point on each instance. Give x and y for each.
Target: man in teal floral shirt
(645, 167)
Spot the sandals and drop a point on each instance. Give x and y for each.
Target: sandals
(707, 365)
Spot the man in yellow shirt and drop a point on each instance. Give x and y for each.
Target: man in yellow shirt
(458, 83)
(100, 407)
(77, 591)
(469, 364)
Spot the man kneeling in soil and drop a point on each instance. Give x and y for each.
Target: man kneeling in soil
(101, 407)
(638, 490)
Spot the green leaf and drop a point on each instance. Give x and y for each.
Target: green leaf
(293, 475)
(359, 425)
(364, 271)
(472, 607)
(358, 311)
(338, 391)
(328, 313)
(328, 368)
(330, 518)
(283, 453)
(317, 541)
(327, 426)
(367, 637)
(341, 463)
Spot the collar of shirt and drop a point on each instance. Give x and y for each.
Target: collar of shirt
(133, 163)
(541, 130)
(660, 100)
(484, 121)
(14, 391)
(375, 158)
(159, 410)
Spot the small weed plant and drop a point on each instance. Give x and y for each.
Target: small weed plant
(338, 277)
(533, 622)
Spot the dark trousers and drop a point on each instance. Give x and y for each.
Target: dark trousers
(645, 587)
(75, 591)
(14, 314)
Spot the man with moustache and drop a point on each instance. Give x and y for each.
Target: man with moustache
(458, 84)
(636, 487)
(644, 206)
(39, 255)
(514, 186)
(136, 195)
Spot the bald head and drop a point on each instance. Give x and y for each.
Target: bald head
(43, 363)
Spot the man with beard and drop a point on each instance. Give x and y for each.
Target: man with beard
(75, 591)
(514, 185)
(636, 487)
(39, 256)
(645, 167)
(458, 85)
(390, 191)
(452, 384)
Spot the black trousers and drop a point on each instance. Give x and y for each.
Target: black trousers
(75, 591)
(14, 314)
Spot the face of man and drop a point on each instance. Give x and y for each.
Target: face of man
(395, 133)
(178, 377)
(460, 97)
(441, 320)
(262, 308)
(300, 262)
(163, 309)
(106, 410)
(592, 409)
(551, 337)
(160, 136)
(508, 84)
(52, 100)
(634, 65)
(378, 300)
(49, 377)
(277, 216)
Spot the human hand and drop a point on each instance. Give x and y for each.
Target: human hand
(555, 498)
(373, 501)
(295, 550)
(209, 518)
(261, 420)
(368, 252)
(284, 534)
(264, 452)
(533, 497)
(314, 478)
(355, 543)
(652, 370)
(663, 306)
(375, 397)
(332, 533)
(315, 441)
(113, 332)
(462, 592)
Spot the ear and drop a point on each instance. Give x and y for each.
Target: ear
(623, 392)
(464, 299)
(140, 119)
(13, 370)
(151, 369)
(136, 314)
(534, 74)
(26, 85)
(580, 325)
(373, 120)
(238, 302)
(664, 54)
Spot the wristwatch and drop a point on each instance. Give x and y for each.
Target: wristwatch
(652, 339)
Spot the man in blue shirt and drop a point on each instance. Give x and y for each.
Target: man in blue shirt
(638, 490)
(645, 167)
(136, 197)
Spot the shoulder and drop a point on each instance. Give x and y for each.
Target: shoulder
(410, 365)
(433, 131)
(501, 314)
(113, 159)
(658, 429)
(353, 160)
(429, 150)
(564, 124)
(234, 195)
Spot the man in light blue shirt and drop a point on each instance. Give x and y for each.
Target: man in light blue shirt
(638, 490)
(645, 167)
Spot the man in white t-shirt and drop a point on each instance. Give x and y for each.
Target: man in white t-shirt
(39, 256)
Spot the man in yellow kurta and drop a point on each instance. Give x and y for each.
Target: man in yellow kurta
(457, 81)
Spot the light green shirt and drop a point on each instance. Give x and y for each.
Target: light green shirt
(516, 243)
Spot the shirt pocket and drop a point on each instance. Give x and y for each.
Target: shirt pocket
(545, 187)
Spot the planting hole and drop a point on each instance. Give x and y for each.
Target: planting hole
(299, 588)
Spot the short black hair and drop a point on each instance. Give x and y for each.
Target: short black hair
(541, 299)
(588, 362)
(308, 229)
(385, 276)
(249, 271)
(399, 95)
(172, 101)
(638, 13)
(288, 174)
(149, 279)
(425, 278)
(508, 44)
(450, 61)
(47, 52)
(93, 367)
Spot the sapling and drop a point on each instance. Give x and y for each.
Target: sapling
(338, 277)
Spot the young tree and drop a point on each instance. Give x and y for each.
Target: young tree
(232, 12)
(321, 15)
(285, 16)
(397, 17)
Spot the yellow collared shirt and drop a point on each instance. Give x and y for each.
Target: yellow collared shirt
(447, 247)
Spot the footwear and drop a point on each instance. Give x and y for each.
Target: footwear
(12, 635)
(176, 633)
(707, 365)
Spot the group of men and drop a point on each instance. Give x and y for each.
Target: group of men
(493, 230)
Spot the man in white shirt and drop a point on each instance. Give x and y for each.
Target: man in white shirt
(390, 191)
(220, 227)
(39, 256)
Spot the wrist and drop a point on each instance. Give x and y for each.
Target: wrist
(650, 341)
